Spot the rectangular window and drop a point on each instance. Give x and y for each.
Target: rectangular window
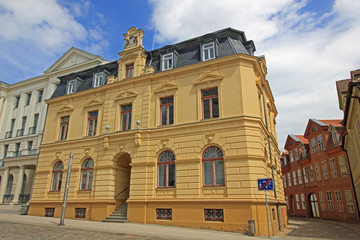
(306, 180)
(294, 177)
(32, 130)
(92, 123)
(164, 213)
(325, 169)
(317, 172)
(6, 148)
(313, 145)
(17, 152)
(303, 205)
(129, 71)
(322, 201)
(289, 179)
(291, 156)
(167, 61)
(80, 212)
(335, 137)
(342, 165)
(40, 95)
(64, 125)
(339, 203)
(98, 79)
(214, 215)
(330, 201)
(296, 151)
(297, 201)
(71, 86)
(349, 201)
(29, 146)
(299, 176)
(9, 134)
(17, 101)
(333, 168)
(320, 142)
(284, 180)
(311, 173)
(167, 110)
(28, 98)
(287, 202)
(210, 103)
(49, 212)
(208, 51)
(126, 117)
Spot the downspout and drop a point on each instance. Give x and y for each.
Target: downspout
(271, 162)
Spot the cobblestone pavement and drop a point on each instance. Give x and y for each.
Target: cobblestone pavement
(40, 232)
(309, 228)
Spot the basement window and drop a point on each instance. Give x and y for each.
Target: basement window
(80, 212)
(49, 212)
(214, 215)
(162, 213)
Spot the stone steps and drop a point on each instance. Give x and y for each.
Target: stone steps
(119, 215)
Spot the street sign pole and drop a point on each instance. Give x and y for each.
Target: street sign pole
(267, 214)
(66, 191)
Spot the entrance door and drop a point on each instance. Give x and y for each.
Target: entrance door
(122, 184)
(314, 206)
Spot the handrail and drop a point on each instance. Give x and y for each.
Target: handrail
(121, 192)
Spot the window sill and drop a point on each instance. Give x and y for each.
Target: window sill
(54, 191)
(214, 187)
(165, 188)
(84, 190)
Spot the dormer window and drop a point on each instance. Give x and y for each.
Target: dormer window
(208, 51)
(167, 61)
(71, 86)
(98, 79)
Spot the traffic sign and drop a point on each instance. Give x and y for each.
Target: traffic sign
(265, 184)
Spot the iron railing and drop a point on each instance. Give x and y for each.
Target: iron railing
(8, 198)
(32, 130)
(8, 134)
(24, 198)
(20, 132)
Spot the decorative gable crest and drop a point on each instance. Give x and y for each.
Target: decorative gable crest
(126, 95)
(93, 102)
(66, 108)
(167, 87)
(209, 78)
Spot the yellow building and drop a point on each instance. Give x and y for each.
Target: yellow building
(349, 102)
(180, 133)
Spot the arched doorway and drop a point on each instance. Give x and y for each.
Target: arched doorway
(314, 208)
(122, 184)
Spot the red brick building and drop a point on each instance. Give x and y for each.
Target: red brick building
(316, 173)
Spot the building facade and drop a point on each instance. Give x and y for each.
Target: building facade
(22, 119)
(349, 102)
(316, 173)
(181, 134)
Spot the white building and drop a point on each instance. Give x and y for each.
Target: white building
(22, 118)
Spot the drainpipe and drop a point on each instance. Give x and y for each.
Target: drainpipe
(271, 162)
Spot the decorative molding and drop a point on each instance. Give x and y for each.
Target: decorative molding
(126, 95)
(106, 143)
(93, 102)
(138, 139)
(167, 87)
(65, 108)
(164, 142)
(208, 77)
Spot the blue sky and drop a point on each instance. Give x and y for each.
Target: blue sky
(308, 44)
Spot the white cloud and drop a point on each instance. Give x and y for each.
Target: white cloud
(305, 52)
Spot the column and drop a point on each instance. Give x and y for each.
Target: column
(19, 184)
(4, 183)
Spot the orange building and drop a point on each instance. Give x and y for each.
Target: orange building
(316, 173)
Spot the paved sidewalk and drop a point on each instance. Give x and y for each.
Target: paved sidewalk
(147, 230)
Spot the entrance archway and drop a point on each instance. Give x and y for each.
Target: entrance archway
(122, 184)
(314, 207)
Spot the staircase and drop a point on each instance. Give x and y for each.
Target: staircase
(119, 215)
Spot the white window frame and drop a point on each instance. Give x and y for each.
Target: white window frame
(166, 60)
(71, 86)
(299, 176)
(289, 179)
(208, 47)
(294, 178)
(98, 79)
(297, 201)
(303, 205)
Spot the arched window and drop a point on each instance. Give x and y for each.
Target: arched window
(57, 176)
(87, 170)
(166, 169)
(213, 164)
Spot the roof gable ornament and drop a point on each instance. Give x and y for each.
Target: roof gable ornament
(133, 38)
(66, 108)
(93, 102)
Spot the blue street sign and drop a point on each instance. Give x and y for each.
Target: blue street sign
(265, 184)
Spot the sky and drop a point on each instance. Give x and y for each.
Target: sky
(308, 44)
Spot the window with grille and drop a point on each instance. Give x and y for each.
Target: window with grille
(313, 145)
(80, 212)
(330, 201)
(49, 212)
(339, 202)
(214, 215)
(213, 165)
(167, 61)
(87, 171)
(57, 174)
(210, 103)
(208, 51)
(349, 201)
(92, 123)
(167, 110)
(164, 213)
(166, 169)
(320, 142)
